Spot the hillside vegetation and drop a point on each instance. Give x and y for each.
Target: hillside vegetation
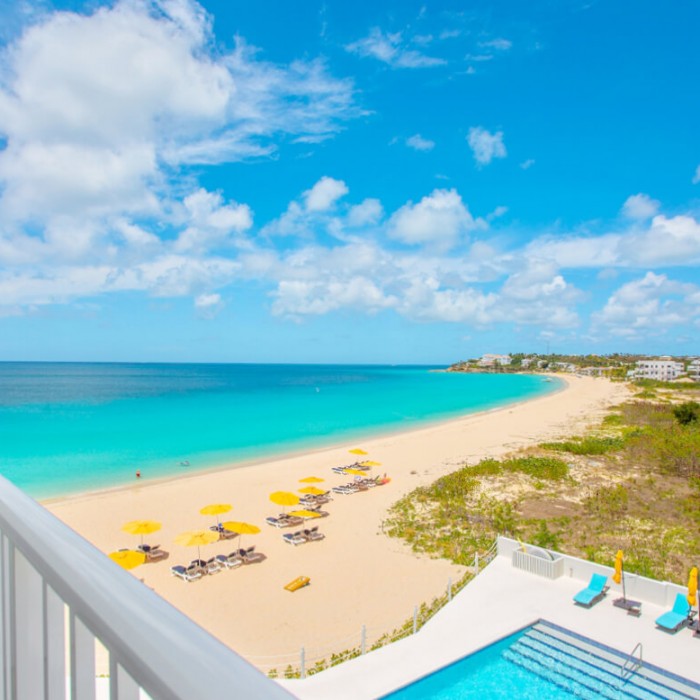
(633, 483)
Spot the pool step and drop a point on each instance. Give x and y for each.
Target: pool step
(603, 682)
(655, 680)
(590, 671)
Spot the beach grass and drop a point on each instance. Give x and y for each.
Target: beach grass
(632, 482)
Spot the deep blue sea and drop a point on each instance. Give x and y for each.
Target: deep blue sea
(69, 428)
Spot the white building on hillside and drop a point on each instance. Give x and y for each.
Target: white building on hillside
(490, 360)
(664, 369)
(694, 370)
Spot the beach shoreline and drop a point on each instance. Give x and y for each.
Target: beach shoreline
(285, 454)
(359, 575)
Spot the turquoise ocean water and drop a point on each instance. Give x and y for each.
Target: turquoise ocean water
(68, 428)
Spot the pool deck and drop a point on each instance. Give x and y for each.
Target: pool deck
(498, 602)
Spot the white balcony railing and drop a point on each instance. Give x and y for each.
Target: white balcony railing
(58, 594)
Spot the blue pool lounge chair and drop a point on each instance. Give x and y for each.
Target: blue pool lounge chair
(674, 619)
(597, 588)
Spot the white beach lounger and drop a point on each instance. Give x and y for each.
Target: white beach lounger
(294, 538)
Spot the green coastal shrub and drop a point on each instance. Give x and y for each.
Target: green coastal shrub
(687, 413)
(588, 445)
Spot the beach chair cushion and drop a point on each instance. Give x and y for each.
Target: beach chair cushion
(676, 618)
(595, 590)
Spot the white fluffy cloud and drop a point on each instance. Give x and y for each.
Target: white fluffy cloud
(500, 44)
(485, 145)
(696, 177)
(208, 305)
(78, 144)
(391, 49)
(367, 213)
(94, 149)
(640, 206)
(324, 194)
(420, 285)
(667, 241)
(649, 305)
(211, 223)
(441, 219)
(418, 143)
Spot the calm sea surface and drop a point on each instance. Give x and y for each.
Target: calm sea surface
(67, 428)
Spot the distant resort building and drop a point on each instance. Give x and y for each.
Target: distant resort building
(490, 360)
(594, 371)
(664, 369)
(694, 370)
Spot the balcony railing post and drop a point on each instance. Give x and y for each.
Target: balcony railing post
(6, 618)
(54, 645)
(121, 685)
(28, 629)
(82, 660)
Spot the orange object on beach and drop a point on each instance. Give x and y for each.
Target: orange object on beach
(297, 583)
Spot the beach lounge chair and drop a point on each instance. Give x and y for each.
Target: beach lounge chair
(213, 566)
(223, 561)
(190, 573)
(284, 521)
(234, 559)
(346, 489)
(595, 591)
(313, 535)
(679, 616)
(224, 534)
(250, 556)
(153, 552)
(294, 538)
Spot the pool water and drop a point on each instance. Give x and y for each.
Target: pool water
(486, 674)
(546, 661)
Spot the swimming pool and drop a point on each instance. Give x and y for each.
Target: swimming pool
(547, 662)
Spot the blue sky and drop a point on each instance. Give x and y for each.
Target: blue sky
(347, 182)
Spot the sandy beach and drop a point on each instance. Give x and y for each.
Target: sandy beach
(358, 575)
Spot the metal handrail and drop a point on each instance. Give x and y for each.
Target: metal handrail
(626, 666)
(165, 653)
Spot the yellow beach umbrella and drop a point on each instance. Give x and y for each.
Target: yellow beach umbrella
(617, 576)
(306, 514)
(312, 490)
(358, 451)
(693, 586)
(284, 498)
(370, 463)
(196, 538)
(216, 509)
(356, 472)
(311, 480)
(241, 528)
(141, 527)
(128, 558)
